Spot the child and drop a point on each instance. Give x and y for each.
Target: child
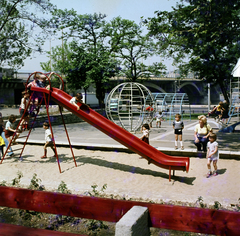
(1, 139)
(212, 154)
(219, 111)
(159, 119)
(2, 134)
(24, 123)
(178, 126)
(24, 102)
(1, 146)
(211, 113)
(145, 130)
(150, 110)
(48, 140)
(9, 131)
(76, 99)
(39, 81)
(23, 105)
(34, 98)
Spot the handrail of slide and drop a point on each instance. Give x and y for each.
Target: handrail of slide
(127, 139)
(48, 78)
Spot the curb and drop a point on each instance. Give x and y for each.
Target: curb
(120, 148)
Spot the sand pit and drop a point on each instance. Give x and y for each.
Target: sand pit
(125, 175)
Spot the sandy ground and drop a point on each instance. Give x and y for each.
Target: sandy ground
(125, 175)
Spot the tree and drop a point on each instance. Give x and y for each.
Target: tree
(205, 33)
(77, 69)
(132, 47)
(90, 34)
(18, 24)
(60, 57)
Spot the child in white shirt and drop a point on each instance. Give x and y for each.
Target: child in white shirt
(48, 140)
(178, 126)
(212, 154)
(145, 130)
(159, 119)
(76, 99)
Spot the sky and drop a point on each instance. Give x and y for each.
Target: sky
(126, 9)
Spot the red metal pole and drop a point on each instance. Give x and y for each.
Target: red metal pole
(60, 109)
(9, 144)
(169, 173)
(39, 105)
(50, 125)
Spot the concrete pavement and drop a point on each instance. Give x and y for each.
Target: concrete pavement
(83, 135)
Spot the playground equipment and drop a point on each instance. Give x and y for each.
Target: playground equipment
(43, 95)
(234, 102)
(171, 104)
(126, 105)
(103, 124)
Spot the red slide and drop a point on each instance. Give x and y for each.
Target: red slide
(119, 134)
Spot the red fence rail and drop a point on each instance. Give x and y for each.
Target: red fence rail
(173, 217)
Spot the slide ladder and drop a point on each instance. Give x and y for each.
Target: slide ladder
(45, 98)
(11, 143)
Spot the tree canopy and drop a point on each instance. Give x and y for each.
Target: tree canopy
(21, 21)
(100, 50)
(202, 36)
(132, 48)
(91, 55)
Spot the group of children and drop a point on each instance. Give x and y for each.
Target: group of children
(178, 125)
(40, 81)
(8, 130)
(220, 112)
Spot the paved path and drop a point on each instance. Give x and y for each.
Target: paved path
(86, 136)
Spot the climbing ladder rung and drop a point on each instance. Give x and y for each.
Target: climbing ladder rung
(17, 149)
(23, 136)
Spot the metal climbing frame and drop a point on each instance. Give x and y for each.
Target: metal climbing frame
(234, 99)
(126, 105)
(172, 103)
(36, 92)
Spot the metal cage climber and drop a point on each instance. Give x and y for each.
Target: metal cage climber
(171, 104)
(127, 103)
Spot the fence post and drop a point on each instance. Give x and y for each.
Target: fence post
(134, 223)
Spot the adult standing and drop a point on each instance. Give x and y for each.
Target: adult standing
(201, 134)
(225, 115)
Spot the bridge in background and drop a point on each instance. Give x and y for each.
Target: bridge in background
(10, 90)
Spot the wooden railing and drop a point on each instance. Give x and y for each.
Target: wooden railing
(173, 217)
